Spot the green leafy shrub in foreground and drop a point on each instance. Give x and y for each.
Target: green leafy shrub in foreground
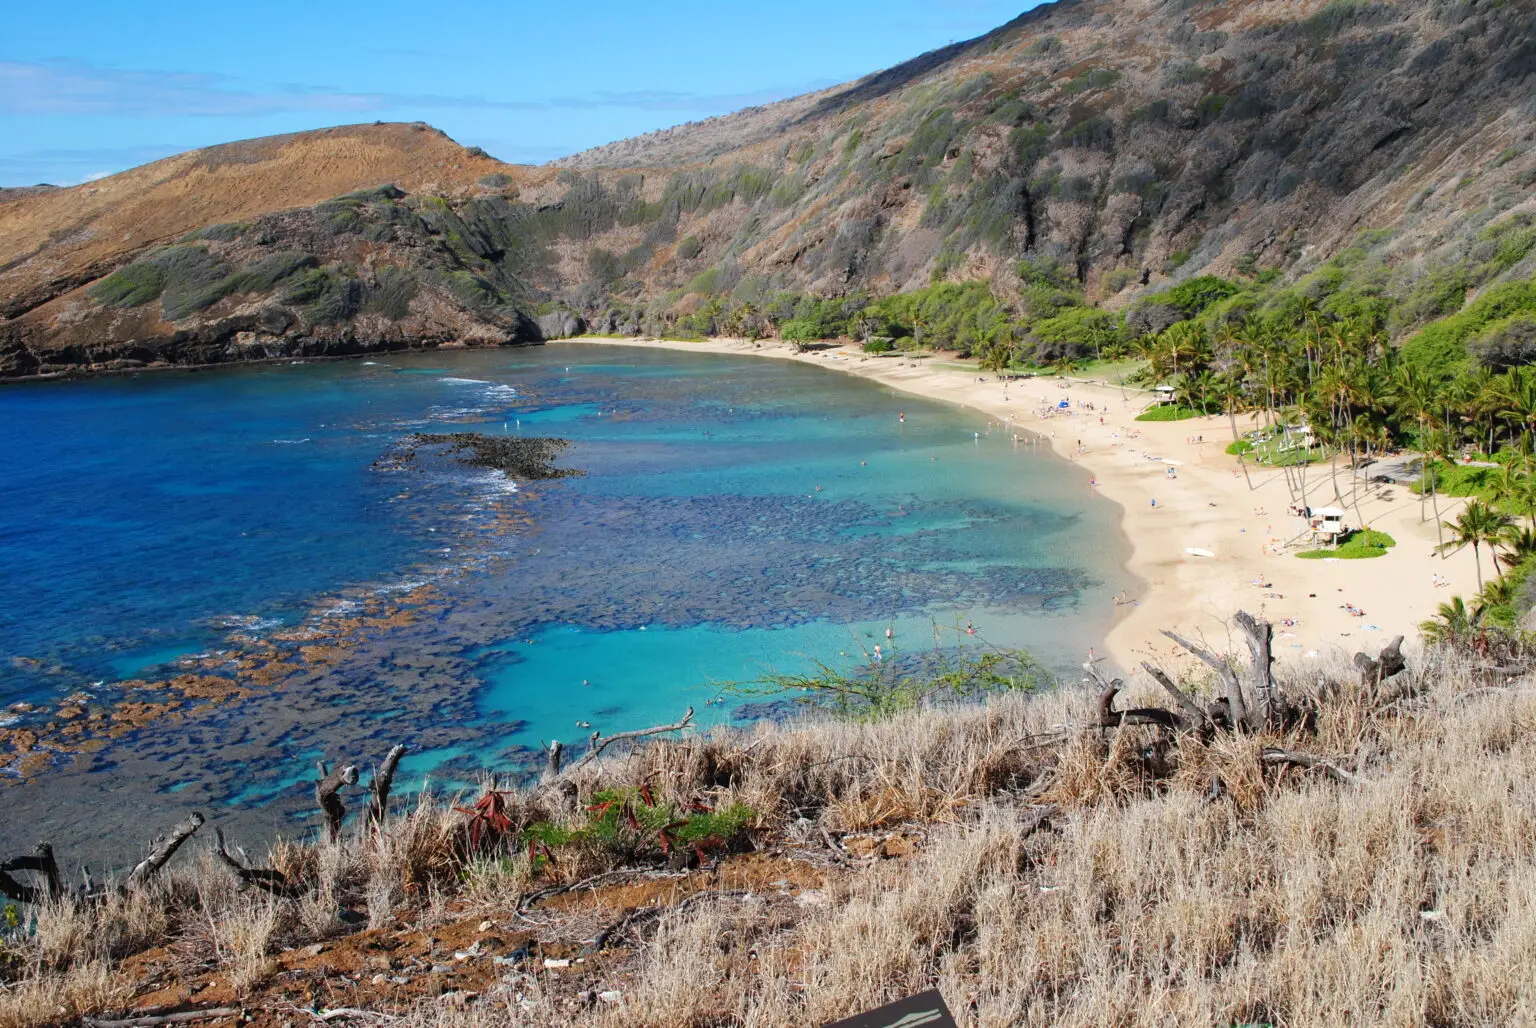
(1239, 448)
(627, 821)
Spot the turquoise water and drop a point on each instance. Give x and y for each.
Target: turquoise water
(735, 518)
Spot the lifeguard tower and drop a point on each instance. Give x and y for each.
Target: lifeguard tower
(1327, 524)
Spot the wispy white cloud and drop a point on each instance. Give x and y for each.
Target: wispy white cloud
(62, 88)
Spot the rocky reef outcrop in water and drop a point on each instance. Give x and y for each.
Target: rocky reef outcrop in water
(528, 458)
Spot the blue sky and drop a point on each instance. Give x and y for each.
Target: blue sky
(97, 87)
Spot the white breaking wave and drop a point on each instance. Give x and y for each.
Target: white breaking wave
(290, 442)
(465, 381)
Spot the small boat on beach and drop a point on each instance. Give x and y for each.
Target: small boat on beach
(1196, 551)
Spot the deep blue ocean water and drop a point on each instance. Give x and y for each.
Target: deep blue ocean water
(735, 517)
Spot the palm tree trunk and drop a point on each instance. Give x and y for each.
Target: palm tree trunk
(1439, 525)
(1478, 557)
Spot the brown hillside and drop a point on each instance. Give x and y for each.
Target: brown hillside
(56, 239)
(1112, 149)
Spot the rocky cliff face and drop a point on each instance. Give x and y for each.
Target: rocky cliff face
(1124, 144)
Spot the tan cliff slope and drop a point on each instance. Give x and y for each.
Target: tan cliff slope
(54, 239)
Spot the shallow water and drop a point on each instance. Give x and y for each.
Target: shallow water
(735, 518)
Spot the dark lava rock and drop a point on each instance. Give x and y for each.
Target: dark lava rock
(530, 458)
(561, 325)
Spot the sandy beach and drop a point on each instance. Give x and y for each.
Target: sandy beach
(1210, 506)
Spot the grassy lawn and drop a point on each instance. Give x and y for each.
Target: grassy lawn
(1170, 412)
(1359, 545)
(1274, 453)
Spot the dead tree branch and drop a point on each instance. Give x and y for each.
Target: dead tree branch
(151, 1022)
(1374, 671)
(598, 745)
(383, 780)
(554, 757)
(271, 882)
(326, 788)
(1275, 755)
(1109, 717)
(41, 862)
(1260, 636)
(1189, 706)
(164, 848)
(1236, 705)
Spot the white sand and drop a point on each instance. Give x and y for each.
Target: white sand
(1208, 506)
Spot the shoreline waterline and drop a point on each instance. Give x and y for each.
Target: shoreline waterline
(1211, 506)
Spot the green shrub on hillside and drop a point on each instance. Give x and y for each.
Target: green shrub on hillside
(129, 286)
(191, 275)
(391, 293)
(1507, 343)
(227, 232)
(1195, 295)
(1440, 348)
(323, 295)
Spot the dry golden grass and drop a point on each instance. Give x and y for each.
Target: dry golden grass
(1281, 896)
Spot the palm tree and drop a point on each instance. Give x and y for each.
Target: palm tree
(1417, 396)
(1519, 543)
(1477, 526)
(1451, 622)
(1230, 391)
(1515, 394)
(1498, 593)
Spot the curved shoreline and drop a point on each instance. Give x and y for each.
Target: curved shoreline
(1211, 505)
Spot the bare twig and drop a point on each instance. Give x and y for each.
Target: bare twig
(1275, 755)
(265, 879)
(837, 851)
(164, 848)
(599, 744)
(182, 1017)
(559, 890)
(383, 780)
(337, 1013)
